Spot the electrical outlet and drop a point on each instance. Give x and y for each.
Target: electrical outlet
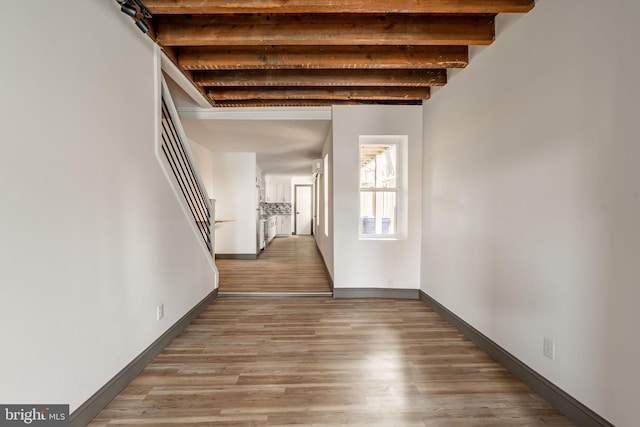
(390, 283)
(159, 312)
(549, 348)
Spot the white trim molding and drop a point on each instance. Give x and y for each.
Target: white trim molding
(258, 113)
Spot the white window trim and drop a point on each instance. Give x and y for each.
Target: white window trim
(325, 187)
(401, 190)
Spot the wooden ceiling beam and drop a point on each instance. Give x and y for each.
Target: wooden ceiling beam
(306, 103)
(313, 78)
(322, 52)
(322, 29)
(323, 57)
(172, 54)
(195, 7)
(339, 93)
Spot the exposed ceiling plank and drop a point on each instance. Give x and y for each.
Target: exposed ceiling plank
(322, 52)
(322, 29)
(323, 57)
(306, 103)
(417, 78)
(337, 6)
(172, 55)
(339, 93)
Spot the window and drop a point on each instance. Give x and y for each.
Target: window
(325, 172)
(379, 189)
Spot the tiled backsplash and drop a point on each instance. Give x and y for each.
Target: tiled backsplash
(276, 208)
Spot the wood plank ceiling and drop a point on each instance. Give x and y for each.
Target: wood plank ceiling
(325, 52)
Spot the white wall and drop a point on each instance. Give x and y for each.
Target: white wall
(324, 241)
(234, 188)
(203, 157)
(301, 180)
(92, 237)
(277, 178)
(532, 229)
(374, 263)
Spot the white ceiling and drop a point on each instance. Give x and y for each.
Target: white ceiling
(285, 141)
(283, 147)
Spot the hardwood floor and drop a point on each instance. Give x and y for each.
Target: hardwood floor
(324, 362)
(289, 264)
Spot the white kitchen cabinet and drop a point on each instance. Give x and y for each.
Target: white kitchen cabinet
(283, 227)
(272, 223)
(271, 193)
(279, 192)
(260, 188)
(283, 193)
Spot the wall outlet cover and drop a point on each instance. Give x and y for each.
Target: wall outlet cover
(549, 348)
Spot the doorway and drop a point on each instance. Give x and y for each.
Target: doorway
(303, 207)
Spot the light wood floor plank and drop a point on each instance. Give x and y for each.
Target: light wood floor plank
(324, 362)
(320, 362)
(288, 264)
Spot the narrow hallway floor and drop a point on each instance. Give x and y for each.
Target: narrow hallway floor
(289, 264)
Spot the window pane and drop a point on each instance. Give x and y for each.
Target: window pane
(378, 165)
(388, 216)
(386, 168)
(368, 174)
(377, 212)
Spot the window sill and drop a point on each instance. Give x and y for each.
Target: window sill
(381, 237)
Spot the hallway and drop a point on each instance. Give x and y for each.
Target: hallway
(289, 265)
